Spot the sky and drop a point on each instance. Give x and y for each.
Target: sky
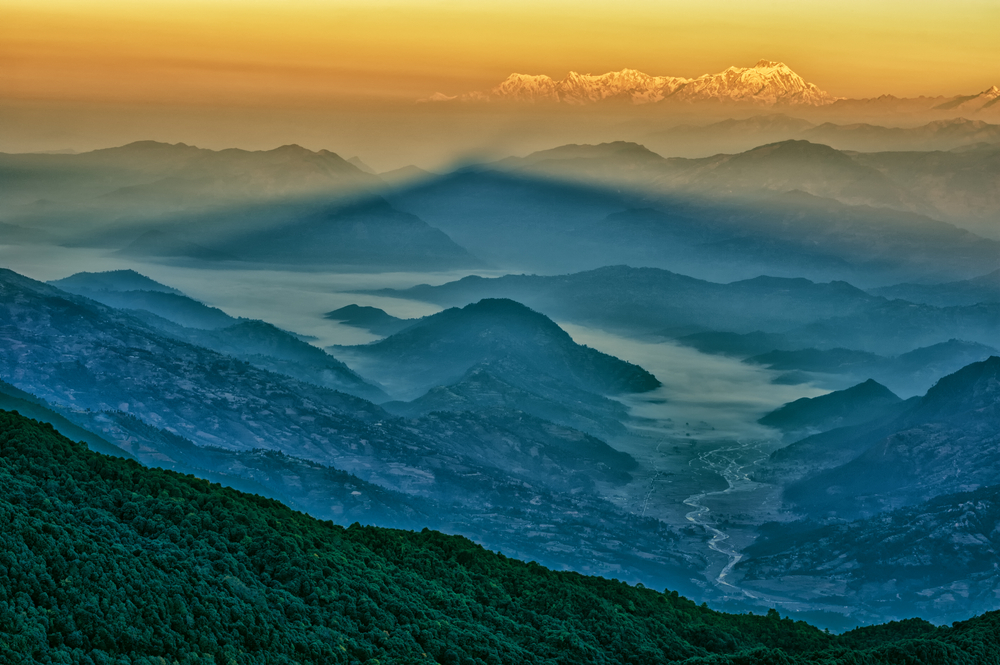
(305, 52)
(81, 75)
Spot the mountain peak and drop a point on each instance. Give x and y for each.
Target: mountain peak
(841, 408)
(442, 347)
(770, 64)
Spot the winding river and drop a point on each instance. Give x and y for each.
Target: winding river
(733, 464)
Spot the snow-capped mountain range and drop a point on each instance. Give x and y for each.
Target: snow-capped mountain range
(766, 84)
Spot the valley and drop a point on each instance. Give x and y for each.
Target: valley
(699, 482)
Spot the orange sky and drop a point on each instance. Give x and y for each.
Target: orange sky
(307, 52)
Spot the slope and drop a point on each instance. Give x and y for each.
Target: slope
(127, 289)
(937, 558)
(945, 442)
(500, 384)
(178, 316)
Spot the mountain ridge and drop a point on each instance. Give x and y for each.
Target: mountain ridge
(767, 83)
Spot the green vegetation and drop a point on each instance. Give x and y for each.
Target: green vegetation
(106, 561)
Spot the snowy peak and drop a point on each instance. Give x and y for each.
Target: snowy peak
(767, 83)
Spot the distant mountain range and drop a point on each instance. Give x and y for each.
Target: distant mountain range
(767, 83)
(911, 373)
(366, 236)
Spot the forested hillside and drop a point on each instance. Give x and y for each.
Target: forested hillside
(105, 561)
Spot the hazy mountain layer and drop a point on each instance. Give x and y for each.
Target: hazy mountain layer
(959, 186)
(256, 342)
(171, 177)
(776, 167)
(966, 292)
(910, 373)
(178, 308)
(274, 350)
(651, 301)
(722, 218)
(366, 236)
(289, 206)
(936, 135)
(734, 135)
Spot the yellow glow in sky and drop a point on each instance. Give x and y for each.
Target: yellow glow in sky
(304, 53)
